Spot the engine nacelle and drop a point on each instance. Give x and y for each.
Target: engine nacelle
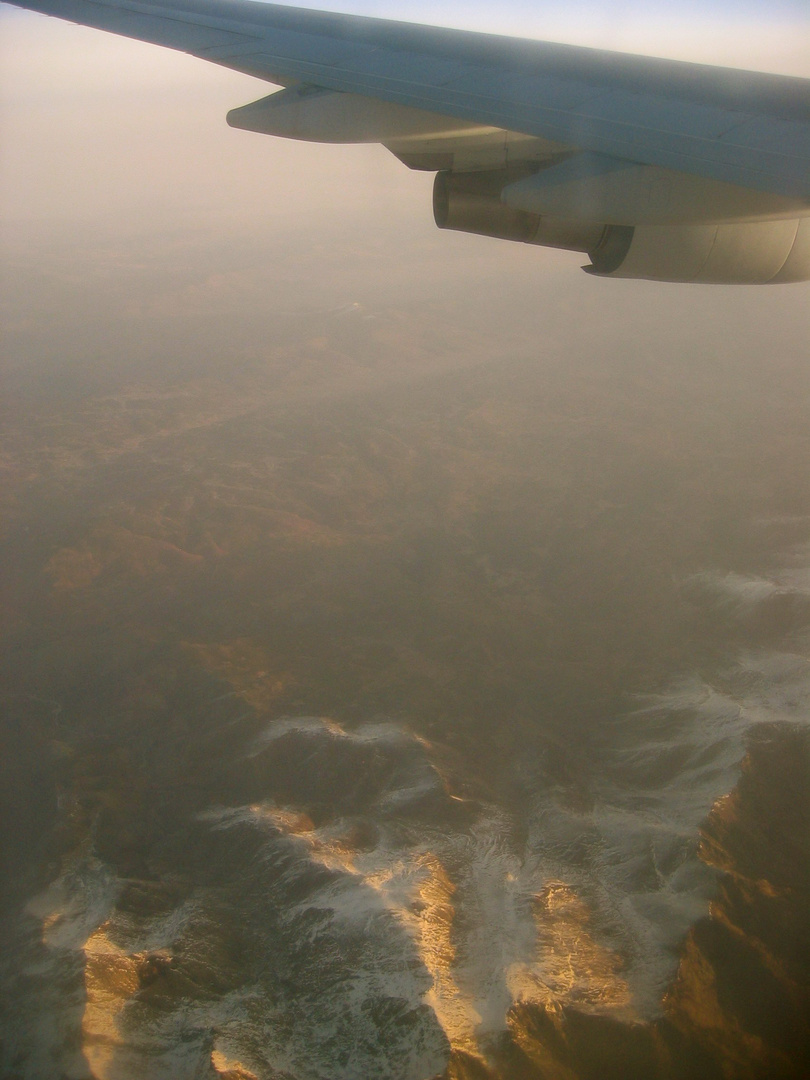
(471, 202)
(734, 253)
(746, 252)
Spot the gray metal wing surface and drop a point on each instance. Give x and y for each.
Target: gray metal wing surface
(744, 128)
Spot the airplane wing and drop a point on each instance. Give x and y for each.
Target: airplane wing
(655, 168)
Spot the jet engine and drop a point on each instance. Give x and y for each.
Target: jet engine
(740, 252)
(471, 202)
(752, 252)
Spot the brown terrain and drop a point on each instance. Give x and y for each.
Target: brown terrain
(346, 526)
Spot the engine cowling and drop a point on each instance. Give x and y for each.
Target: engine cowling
(745, 252)
(471, 202)
(740, 252)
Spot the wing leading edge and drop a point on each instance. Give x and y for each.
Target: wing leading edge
(552, 132)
